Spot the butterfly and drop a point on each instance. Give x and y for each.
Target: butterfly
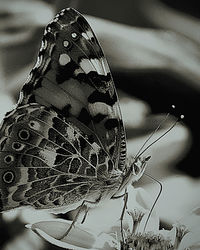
(64, 142)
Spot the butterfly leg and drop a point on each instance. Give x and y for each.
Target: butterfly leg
(80, 208)
(85, 215)
(125, 196)
(117, 197)
(122, 214)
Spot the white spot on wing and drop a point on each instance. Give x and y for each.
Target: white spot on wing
(74, 35)
(105, 65)
(100, 107)
(44, 44)
(64, 59)
(39, 62)
(70, 134)
(86, 65)
(65, 43)
(62, 13)
(89, 34)
(48, 156)
(94, 65)
(98, 65)
(96, 147)
(48, 29)
(85, 36)
(78, 71)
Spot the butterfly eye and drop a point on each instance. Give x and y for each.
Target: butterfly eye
(35, 125)
(8, 159)
(8, 177)
(74, 35)
(17, 146)
(24, 134)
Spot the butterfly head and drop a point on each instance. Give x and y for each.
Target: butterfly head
(137, 166)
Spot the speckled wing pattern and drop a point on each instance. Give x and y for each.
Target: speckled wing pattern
(65, 140)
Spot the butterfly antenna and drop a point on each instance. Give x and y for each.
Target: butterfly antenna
(158, 196)
(166, 132)
(151, 135)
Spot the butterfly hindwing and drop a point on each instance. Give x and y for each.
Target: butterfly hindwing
(72, 76)
(46, 162)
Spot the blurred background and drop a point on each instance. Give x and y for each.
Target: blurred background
(153, 49)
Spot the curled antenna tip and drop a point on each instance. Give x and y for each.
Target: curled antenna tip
(148, 158)
(29, 226)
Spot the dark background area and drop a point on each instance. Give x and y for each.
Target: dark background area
(159, 88)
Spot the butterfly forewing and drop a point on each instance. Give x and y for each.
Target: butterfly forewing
(65, 141)
(72, 76)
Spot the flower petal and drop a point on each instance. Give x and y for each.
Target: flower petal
(53, 231)
(103, 217)
(169, 234)
(107, 241)
(139, 200)
(191, 240)
(152, 225)
(190, 228)
(191, 220)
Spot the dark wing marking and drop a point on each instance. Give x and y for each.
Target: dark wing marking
(72, 77)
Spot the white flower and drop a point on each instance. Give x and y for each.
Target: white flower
(190, 224)
(102, 228)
